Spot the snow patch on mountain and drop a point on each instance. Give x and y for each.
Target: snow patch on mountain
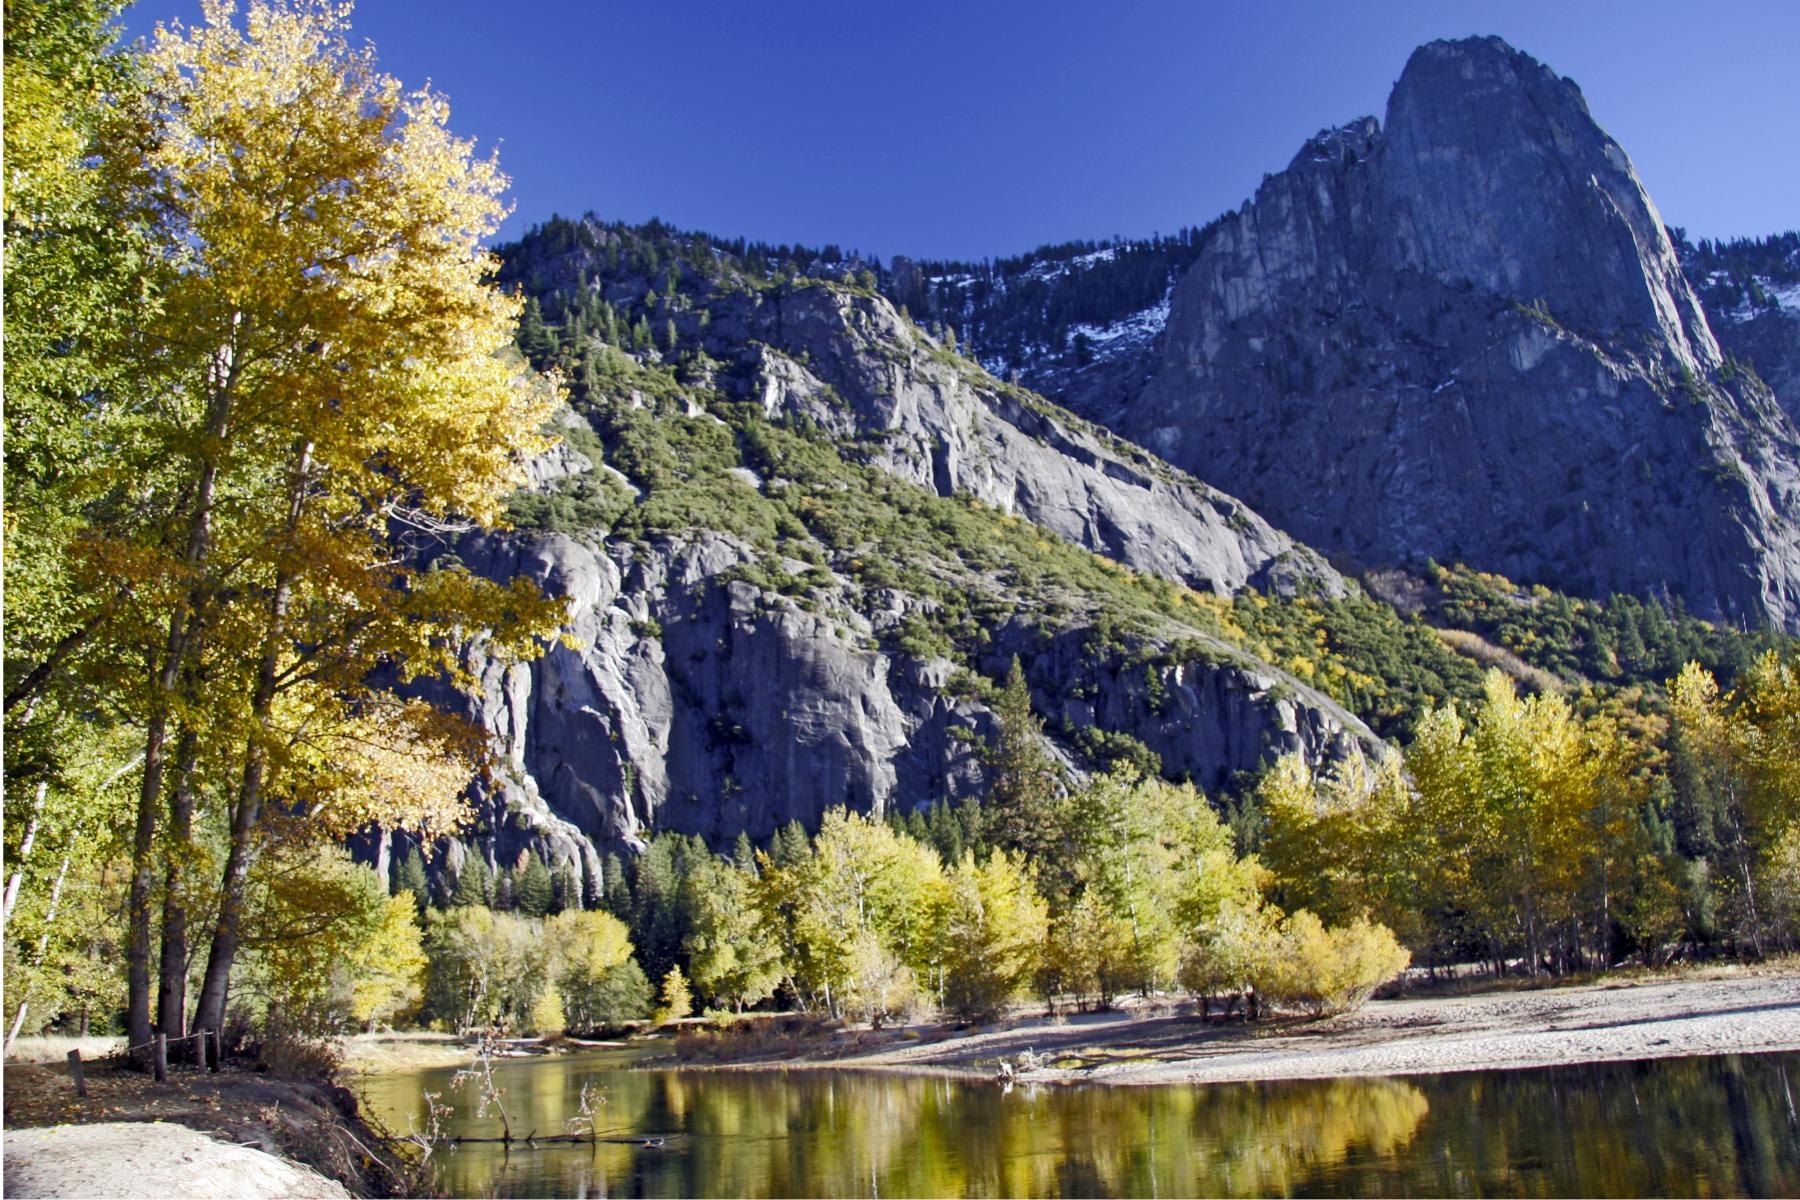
(1127, 334)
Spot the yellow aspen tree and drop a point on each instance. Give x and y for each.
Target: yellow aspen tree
(1332, 840)
(387, 969)
(333, 350)
(1739, 755)
(994, 933)
(1770, 704)
(1448, 832)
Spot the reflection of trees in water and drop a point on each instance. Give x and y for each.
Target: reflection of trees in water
(1267, 1141)
(1683, 1127)
(776, 1135)
(838, 1134)
(1227, 1140)
(542, 1095)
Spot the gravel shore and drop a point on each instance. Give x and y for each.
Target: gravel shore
(1603, 1022)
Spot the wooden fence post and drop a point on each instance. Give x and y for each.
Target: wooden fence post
(75, 1073)
(162, 1057)
(218, 1056)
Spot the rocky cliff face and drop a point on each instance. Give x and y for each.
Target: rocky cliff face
(800, 536)
(1750, 289)
(1768, 340)
(848, 363)
(697, 702)
(1463, 333)
(739, 662)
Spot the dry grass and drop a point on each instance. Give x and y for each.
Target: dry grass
(51, 1047)
(418, 1051)
(1474, 646)
(745, 1040)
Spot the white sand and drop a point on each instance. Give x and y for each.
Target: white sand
(153, 1160)
(1604, 1022)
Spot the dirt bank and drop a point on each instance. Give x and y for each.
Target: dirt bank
(306, 1122)
(1602, 1022)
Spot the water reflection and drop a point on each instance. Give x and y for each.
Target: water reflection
(1690, 1127)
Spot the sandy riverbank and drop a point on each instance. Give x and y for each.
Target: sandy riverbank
(133, 1136)
(1603, 1022)
(134, 1158)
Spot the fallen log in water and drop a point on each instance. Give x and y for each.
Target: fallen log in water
(649, 1142)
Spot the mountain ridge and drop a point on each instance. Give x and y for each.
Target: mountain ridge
(805, 532)
(802, 539)
(1467, 336)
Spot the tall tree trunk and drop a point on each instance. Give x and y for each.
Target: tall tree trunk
(223, 953)
(171, 996)
(175, 655)
(143, 881)
(244, 818)
(1751, 917)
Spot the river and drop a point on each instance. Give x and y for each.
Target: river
(1687, 1127)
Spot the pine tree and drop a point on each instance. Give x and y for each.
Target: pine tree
(533, 890)
(743, 854)
(615, 890)
(411, 877)
(535, 340)
(945, 833)
(791, 845)
(474, 883)
(1022, 799)
(916, 828)
(565, 891)
(658, 920)
(971, 823)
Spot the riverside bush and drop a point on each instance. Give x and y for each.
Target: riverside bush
(1326, 971)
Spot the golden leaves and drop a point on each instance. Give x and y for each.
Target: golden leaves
(327, 228)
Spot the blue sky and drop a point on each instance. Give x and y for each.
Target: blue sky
(972, 129)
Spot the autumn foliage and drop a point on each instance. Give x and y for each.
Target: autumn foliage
(319, 387)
